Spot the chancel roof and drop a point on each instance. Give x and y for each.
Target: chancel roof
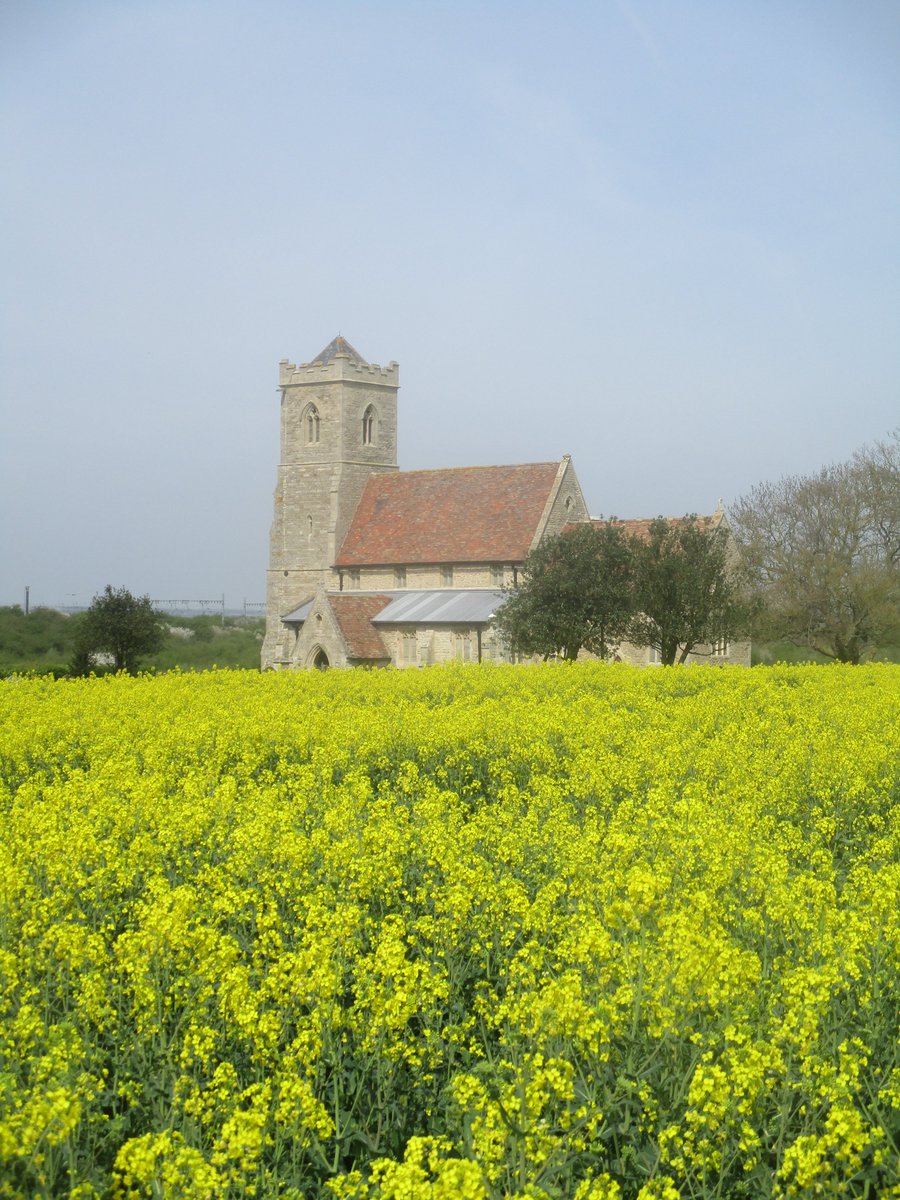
(338, 345)
(640, 526)
(461, 515)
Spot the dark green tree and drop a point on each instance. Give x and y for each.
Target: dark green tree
(127, 628)
(687, 588)
(575, 593)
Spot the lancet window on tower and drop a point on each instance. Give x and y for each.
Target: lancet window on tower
(368, 426)
(312, 424)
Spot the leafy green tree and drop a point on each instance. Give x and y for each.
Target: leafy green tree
(41, 640)
(575, 593)
(125, 627)
(823, 553)
(687, 588)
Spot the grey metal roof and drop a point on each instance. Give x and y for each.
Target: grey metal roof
(441, 607)
(299, 614)
(433, 606)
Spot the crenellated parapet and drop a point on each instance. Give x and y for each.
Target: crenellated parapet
(340, 369)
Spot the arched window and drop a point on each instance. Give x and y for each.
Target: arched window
(312, 425)
(368, 426)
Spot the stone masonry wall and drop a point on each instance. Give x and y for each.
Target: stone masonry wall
(320, 481)
(568, 504)
(439, 644)
(465, 575)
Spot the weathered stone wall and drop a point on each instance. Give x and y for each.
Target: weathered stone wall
(318, 632)
(567, 504)
(423, 646)
(324, 467)
(465, 575)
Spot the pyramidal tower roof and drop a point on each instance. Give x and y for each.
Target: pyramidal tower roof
(338, 346)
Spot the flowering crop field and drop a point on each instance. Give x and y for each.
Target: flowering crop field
(577, 932)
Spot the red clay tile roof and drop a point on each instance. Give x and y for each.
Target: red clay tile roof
(462, 515)
(354, 615)
(640, 526)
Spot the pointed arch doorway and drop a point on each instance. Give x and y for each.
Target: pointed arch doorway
(319, 660)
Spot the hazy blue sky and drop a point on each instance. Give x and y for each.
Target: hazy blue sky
(662, 237)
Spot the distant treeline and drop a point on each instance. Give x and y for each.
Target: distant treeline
(43, 642)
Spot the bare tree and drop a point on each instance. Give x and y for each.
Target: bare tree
(823, 552)
(877, 472)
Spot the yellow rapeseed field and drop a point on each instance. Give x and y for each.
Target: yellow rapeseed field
(579, 932)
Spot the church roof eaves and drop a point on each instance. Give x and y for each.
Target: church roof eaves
(640, 526)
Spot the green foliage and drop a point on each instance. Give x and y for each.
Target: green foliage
(43, 638)
(44, 643)
(767, 653)
(576, 593)
(200, 643)
(593, 587)
(120, 626)
(686, 591)
(50, 670)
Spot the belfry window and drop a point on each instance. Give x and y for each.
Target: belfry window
(368, 426)
(312, 425)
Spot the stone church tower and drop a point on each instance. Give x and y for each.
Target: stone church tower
(338, 426)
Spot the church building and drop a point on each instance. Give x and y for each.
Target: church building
(370, 565)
